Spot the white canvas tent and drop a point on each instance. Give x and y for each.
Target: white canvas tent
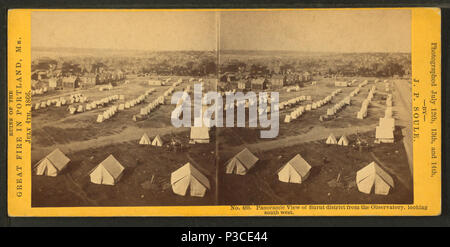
(145, 140)
(189, 178)
(343, 141)
(295, 171)
(80, 108)
(331, 139)
(199, 135)
(107, 172)
(373, 178)
(241, 163)
(388, 122)
(287, 119)
(384, 134)
(157, 141)
(52, 164)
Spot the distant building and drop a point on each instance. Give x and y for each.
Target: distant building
(55, 73)
(244, 84)
(259, 84)
(306, 76)
(71, 82)
(277, 81)
(39, 75)
(55, 83)
(292, 79)
(89, 80)
(228, 77)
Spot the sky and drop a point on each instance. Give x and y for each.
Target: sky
(141, 30)
(297, 30)
(317, 30)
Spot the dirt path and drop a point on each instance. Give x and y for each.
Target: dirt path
(127, 135)
(316, 133)
(130, 134)
(403, 106)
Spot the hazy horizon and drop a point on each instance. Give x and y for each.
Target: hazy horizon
(223, 50)
(320, 31)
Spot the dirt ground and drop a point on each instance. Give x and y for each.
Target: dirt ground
(87, 143)
(146, 180)
(306, 136)
(261, 185)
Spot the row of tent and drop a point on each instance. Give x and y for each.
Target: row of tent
(48, 103)
(345, 83)
(188, 178)
(344, 102)
(150, 107)
(378, 80)
(178, 110)
(341, 83)
(384, 132)
(74, 98)
(331, 140)
(104, 101)
(39, 91)
(145, 140)
(388, 111)
(293, 101)
(106, 87)
(389, 100)
(181, 100)
(387, 86)
(293, 88)
(199, 134)
(131, 103)
(77, 98)
(170, 90)
(264, 99)
(338, 106)
(298, 111)
(362, 113)
(90, 106)
(107, 114)
(135, 101)
(93, 105)
(155, 103)
(110, 171)
(371, 178)
(156, 83)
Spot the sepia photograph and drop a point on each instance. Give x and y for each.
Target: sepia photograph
(102, 131)
(344, 83)
(221, 107)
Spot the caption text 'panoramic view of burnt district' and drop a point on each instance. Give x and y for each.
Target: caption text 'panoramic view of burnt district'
(103, 85)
